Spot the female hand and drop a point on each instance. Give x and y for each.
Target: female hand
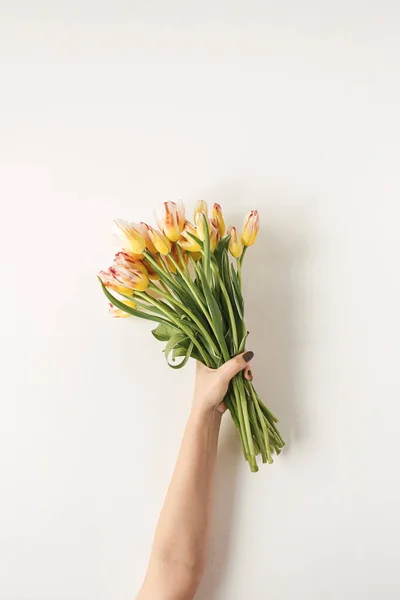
(211, 385)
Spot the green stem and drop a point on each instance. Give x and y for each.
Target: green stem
(229, 306)
(179, 324)
(239, 262)
(262, 421)
(182, 259)
(193, 289)
(240, 414)
(242, 398)
(187, 310)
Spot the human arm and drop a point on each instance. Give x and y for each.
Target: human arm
(179, 551)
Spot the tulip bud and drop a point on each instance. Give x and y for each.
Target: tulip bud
(201, 226)
(170, 218)
(186, 242)
(160, 241)
(144, 230)
(201, 206)
(130, 236)
(126, 259)
(133, 278)
(214, 234)
(216, 214)
(251, 226)
(235, 245)
(110, 282)
(117, 312)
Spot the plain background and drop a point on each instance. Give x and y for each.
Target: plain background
(107, 109)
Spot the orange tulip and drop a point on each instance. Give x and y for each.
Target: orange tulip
(251, 226)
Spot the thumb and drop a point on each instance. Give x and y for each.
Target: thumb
(236, 364)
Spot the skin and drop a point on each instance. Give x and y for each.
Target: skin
(180, 544)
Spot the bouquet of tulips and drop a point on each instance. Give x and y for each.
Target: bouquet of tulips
(182, 277)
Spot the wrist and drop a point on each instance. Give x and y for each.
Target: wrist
(205, 413)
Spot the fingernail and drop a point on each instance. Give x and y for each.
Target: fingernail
(250, 375)
(247, 356)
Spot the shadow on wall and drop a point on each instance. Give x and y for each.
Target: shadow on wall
(275, 296)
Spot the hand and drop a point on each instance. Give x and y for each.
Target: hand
(211, 385)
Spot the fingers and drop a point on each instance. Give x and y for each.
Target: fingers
(247, 372)
(236, 364)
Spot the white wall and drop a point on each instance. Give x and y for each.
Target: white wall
(291, 108)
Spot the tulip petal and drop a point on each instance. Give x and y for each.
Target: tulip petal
(129, 309)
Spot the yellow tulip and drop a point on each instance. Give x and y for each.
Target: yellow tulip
(186, 242)
(117, 313)
(170, 218)
(126, 259)
(109, 281)
(160, 241)
(144, 230)
(201, 206)
(135, 278)
(216, 214)
(214, 234)
(251, 226)
(235, 245)
(130, 236)
(201, 226)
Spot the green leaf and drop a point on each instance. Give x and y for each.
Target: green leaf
(195, 238)
(164, 331)
(174, 340)
(188, 354)
(129, 309)
(221, 250)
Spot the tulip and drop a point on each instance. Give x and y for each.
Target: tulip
(216, 214)
(171, 219)
(186, 242)
(109, 281)
(144, 230)
(135, 278)
(117, 312)
(251, 226)
(235, 245)
(160, 241)
(130, 236)
(214, 234)
(201, 206)
(201, 226)
(126, 259)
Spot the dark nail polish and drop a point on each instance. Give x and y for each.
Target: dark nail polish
(247, 356)
(250, 375)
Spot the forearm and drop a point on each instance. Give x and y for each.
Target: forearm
(181, 537)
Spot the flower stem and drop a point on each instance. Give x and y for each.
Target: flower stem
(163, 308)
(229, 306)
(187, 310)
